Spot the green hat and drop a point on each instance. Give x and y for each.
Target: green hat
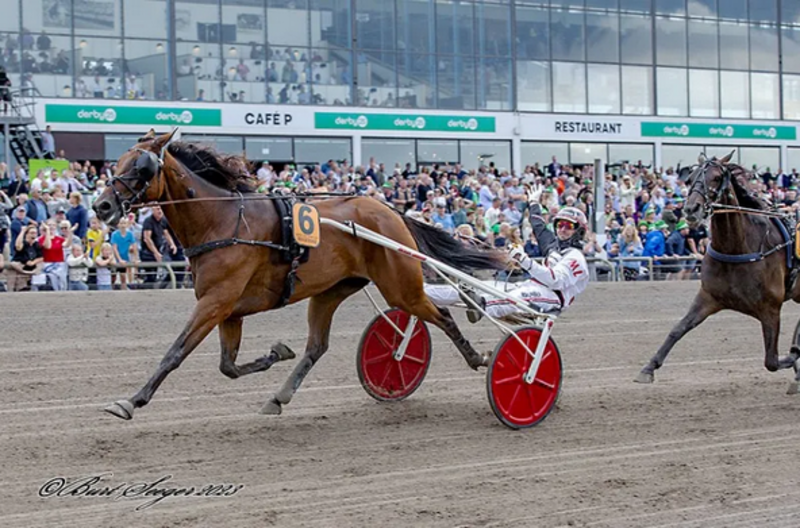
(291, 185)
(678, 199)
(388, 185)
(496, 229)
(279, 184)
(681, 225)
(660, 225)
(793, 188)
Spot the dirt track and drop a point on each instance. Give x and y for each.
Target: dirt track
(710, 444)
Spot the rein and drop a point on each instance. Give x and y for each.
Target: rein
(243, 198)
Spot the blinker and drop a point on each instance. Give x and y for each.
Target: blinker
(146, 165)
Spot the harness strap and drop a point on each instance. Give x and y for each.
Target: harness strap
(218, 244)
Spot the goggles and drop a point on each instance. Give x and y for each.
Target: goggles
(565, 224)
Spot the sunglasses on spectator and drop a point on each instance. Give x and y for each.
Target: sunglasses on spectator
(564, 224)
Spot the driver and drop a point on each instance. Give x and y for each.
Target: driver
(553, 285)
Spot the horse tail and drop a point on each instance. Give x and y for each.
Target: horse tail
(441, 246)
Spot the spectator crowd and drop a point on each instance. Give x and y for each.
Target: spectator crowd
(51, 239)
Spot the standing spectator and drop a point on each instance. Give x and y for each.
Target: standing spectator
(27, 258)
(104, 263)
(5, 89)
(78, 215)
(177, 256)
(18, 224)
(95, 237)
(53, 253)
(155, 238)
(48, 142)
(35, 207)
(79, 265)
(124, 244)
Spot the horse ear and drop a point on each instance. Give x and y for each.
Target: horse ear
(684, 173)
(151, 134)
(727, 158)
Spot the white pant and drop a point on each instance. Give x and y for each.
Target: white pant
(539, 297)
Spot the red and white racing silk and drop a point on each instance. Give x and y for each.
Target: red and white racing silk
(563, 271)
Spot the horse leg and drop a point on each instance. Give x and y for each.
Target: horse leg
(702, 306)
(320, 315)
(206, 316)
(230, 337)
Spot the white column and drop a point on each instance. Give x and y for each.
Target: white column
(357, 150)
(517, 162)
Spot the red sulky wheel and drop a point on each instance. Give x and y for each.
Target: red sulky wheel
(515, 403)
(383, 377)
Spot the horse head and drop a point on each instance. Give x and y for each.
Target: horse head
(710, 182)
(138, 178)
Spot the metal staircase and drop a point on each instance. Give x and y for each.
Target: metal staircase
(21, 135)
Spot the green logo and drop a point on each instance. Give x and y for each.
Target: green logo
(132, 115)
(718, 130)
(409, 122)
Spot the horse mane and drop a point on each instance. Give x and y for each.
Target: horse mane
(739, 176)
(223, 171)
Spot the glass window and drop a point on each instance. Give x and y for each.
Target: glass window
(602, 37)
(568, 3)
(388, 151)
(790, 42)
(199, 70)
(543, 153)
(587, 152)
(455, 28)
(733, 9)
(288, 25)
(415, 26)
(145, 73)
(533, 86)
(671, 41)
(148, 19)
(315, 150)
(333, 17)
(671, 90)
(683, 155)
(790, 12)
(41, 15)
(45, 66)
(494, 29)
(764, 48)
(330, 79)
(636, 35)
(761, 157)
(375, 24)
(637, 90)
(294, 72)
(118, 144)
(793, 155)
(735, 94)
(99, 61)
(533, 33)
(10, 21)
(703, 8)
(277, 149)
(602, 4)
(636, 6)
(703, 40)
(791, 96)
(764, 10)
(416, 80)
(567, 35)
(733, 46)
(495, 84)
(223, 144)
(437, 151)
(671, 7)
(764, 92)
(456, 82)
(473, 154)
(250, 26)
(703, 93)
(569, 87)
(631, 153)
(604, 91)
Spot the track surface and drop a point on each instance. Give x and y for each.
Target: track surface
(710, 444)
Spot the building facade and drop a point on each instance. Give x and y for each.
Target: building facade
(418, 81)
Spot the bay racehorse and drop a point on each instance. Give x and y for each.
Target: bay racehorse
(208, 200)
(748, 264)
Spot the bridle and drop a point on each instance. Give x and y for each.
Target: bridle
(145, 169)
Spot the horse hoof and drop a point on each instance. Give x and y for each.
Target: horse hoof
(121, 409)
(793, 388)
(271, 407)
(644, 377)
(283, 352)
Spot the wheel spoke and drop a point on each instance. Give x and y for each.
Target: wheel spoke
(510, 379)
(386, 373)
(384, 342)
(543, 383)
(420, 361)
(402, 378)
(378, 359)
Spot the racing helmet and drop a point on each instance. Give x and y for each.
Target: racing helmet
(577, 218)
